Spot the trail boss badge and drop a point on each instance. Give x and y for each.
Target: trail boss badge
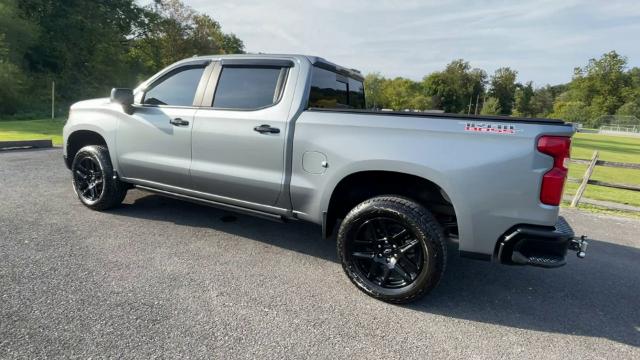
(490, 128)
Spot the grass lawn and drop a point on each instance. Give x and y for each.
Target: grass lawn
(611, 148)
(32, 130)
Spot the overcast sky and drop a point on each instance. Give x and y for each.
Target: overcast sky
(542, 39)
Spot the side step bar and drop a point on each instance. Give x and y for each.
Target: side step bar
(216, 204)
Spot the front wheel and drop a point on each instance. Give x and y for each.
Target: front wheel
(94, 180)
(392, 248)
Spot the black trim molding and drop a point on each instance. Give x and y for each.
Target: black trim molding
(354, 74)
(257, 62)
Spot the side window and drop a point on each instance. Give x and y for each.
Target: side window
(249, 87)
(356, 94)
(177, 89)
(331, 90)
(326, 90)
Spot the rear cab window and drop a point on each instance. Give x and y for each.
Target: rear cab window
(249, 87)
(332, 90)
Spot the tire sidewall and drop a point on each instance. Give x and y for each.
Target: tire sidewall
(110, 188)
(429, 240)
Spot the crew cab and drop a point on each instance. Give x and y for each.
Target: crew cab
(288, 137)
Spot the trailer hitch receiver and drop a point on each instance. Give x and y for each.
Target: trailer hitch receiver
(579, 245)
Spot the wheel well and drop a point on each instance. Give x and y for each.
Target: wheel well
(79, 139)
(361, 186)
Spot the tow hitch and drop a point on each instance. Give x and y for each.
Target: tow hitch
(541, 246)
(579, 245)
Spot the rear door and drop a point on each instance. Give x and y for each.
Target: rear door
(154, 143)
(239, 135)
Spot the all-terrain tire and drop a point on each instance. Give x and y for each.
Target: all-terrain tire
(416, 219)
(93, 162)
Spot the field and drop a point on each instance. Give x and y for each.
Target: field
(32, 130)
(611, 148)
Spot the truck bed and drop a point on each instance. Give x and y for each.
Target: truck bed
(488, 166)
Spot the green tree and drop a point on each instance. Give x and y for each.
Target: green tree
(80, 46)
(491, 106)
(542, 101)
(16, 35)
(19, 33)
(421, 102)
(12, 82)
(373, 85)
(601, 85)
(399, 93)
(455, 87)
(632, 108)
(524, 105)
(90, 47)
(572, 111)
(178, 31)
(503, 88)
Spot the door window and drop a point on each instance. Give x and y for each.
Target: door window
(249, 88)
(178, 88)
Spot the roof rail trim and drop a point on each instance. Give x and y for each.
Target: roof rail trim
(324, 64)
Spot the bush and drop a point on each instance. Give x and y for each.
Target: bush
(572, 111)
(491, 106)
(631, 108)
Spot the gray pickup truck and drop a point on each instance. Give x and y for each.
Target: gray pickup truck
(288, 137)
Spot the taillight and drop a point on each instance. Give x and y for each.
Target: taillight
(558, 147)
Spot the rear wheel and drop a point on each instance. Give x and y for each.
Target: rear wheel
(93, 179)
(392, 248)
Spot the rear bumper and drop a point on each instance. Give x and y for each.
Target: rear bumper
(542, 246)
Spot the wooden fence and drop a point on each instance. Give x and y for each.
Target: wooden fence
(586, 179)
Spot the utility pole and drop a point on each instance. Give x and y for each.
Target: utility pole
(484, 101)
(469, 110)
(475, 111)
(53, 99)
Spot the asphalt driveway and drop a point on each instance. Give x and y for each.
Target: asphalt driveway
(160, 277)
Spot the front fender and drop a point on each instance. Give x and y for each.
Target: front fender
(99, 116)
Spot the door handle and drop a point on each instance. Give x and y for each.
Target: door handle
(266, 129)
(178, 122)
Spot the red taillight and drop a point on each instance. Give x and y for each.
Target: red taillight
(558, 147)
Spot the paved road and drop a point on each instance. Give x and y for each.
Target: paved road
(159, 277)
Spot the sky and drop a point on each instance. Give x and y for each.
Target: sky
(544, 40)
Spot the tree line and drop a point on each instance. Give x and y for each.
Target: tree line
(605, 86)
(87, 47)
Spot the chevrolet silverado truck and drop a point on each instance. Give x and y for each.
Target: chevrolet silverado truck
(288, 137)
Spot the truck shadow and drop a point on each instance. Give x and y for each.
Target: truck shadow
(595, 297)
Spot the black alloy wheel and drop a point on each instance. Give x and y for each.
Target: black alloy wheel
(88, 178)
(94, 180)
(392, 248)
(387, 253)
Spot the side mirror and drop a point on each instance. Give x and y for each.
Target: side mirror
(124, 97)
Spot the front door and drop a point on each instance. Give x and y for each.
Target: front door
(154, 143)
(238, 142)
